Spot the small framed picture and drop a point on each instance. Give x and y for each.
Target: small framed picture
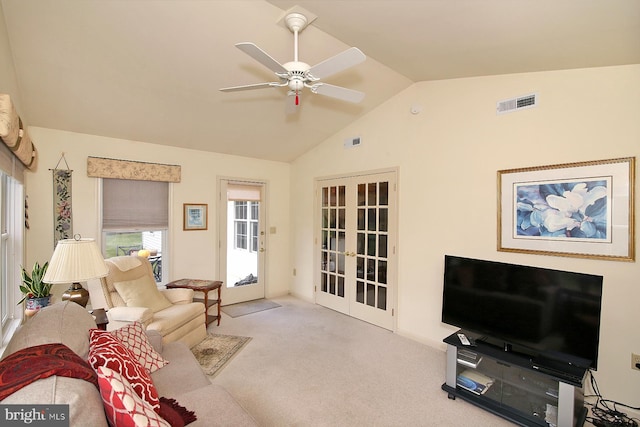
(195, 216)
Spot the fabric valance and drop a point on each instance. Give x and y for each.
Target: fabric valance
(99, 167)
(14, 135)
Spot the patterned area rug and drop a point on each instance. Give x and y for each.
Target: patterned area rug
(216, 350)
(244, 308)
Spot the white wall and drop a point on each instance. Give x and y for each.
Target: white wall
(448, 156)
(193, 254)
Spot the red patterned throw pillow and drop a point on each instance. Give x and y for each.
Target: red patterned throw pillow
(135, 339)
(123, 406)
(106, 350)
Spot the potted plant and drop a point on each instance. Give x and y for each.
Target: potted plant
(36, 292)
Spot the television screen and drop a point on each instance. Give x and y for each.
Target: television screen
(545, 313)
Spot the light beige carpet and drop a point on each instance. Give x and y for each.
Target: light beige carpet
(311, 366)
(244, 308)
(216, 350)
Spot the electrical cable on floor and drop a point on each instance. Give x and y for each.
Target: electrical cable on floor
(605, 413)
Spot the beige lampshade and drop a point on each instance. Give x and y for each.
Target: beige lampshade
(75, 260)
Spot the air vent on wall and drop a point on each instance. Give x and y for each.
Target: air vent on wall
(519, 103)
(352, 142)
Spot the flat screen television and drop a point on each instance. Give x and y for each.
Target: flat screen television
(548, 314)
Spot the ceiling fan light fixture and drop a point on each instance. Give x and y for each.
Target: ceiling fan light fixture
(296, 84)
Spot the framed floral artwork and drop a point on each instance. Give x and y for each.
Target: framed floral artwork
(583, 210)
(195, 216)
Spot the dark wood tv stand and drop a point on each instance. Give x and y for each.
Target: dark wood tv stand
(512, 386)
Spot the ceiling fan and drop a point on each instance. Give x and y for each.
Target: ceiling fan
(297, 75)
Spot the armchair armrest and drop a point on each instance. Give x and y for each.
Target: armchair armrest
(178, 295)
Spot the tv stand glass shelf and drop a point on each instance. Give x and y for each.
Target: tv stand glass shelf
(513, 386)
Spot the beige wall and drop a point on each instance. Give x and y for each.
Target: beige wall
(8, 81)
(448, 156)
(193, 254)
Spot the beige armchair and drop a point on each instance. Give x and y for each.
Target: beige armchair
(131, 294)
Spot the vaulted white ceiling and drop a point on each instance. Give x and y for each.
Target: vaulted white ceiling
(150, 70)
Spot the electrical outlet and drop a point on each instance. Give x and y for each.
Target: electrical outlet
(635, 361)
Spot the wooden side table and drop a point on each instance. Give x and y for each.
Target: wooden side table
(100, 315)
(204, 286)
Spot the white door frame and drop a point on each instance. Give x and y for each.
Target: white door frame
(233, 295)
(392, 274)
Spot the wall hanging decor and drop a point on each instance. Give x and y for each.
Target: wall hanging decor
(62, 218)
(195, 216)
(583, 210)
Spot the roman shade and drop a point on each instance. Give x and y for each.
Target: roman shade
(134, 205)
(243, 192)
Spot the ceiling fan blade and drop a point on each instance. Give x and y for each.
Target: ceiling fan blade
(338, 92)
(335, 64)
(249, 87)
(262, 57)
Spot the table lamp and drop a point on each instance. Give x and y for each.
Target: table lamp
(75, 260)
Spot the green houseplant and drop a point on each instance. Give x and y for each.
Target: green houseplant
(35, 291)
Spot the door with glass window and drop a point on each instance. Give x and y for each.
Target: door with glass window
(356, 247)
(242, 240)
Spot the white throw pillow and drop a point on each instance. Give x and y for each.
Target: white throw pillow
(142, 292)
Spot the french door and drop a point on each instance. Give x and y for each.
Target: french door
(356, 246)
(242, 243)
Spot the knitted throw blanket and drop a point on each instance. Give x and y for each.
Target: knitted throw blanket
(33, 363)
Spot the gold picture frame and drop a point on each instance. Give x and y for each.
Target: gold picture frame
(195, 216)
(582, 210)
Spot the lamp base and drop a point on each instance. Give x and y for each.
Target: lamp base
(77, 294)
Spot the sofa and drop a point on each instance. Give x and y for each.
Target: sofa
(129, 293)
(181, 379)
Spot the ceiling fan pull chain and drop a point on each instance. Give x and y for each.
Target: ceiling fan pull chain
(297, 100)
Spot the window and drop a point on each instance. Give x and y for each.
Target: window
(11, 214)
(135, 217)
(255, 209)
(246, 225)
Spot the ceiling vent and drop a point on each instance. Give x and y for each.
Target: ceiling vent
(515, 104)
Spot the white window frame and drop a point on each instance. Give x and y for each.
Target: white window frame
(11, 253)
(246, 233)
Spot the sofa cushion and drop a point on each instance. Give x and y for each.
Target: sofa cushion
(85, 405)
(142, 292)
(107, 351)
(66, 322)
(170, 380)
(122, 404)
(42, 361)
(135, 339)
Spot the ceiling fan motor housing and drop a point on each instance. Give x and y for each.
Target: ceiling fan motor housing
(296, 21)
